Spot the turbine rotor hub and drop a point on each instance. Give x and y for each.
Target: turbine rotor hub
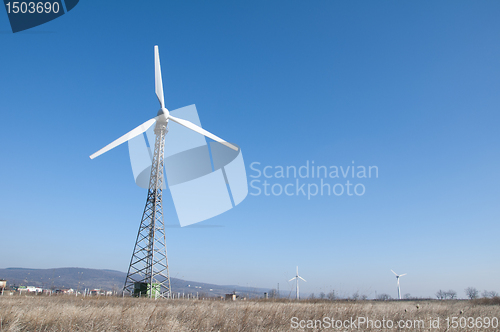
(163, 111)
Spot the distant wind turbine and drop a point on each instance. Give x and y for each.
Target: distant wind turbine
(297, 277)
(399, 288)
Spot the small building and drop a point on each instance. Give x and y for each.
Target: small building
(33, 289)
(231, 297)
(3, 285)
(65, 291)
(97, 292)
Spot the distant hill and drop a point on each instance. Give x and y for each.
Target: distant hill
(80, 278)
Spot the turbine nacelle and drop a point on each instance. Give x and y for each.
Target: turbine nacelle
(163, 114)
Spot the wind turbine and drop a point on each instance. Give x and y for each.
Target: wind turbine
(148, 269)
(399, 288)
(297, 277)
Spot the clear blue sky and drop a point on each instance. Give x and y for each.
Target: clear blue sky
(412, 87)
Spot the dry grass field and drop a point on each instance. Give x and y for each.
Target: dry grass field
(64, 313)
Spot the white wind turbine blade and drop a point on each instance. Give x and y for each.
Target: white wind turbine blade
(131, 134)
(292, 279)
(394, 273)
(202, 131)
(302, 278)
(402, 275)
(158, 82)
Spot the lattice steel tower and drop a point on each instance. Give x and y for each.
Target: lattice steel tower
(148, 271)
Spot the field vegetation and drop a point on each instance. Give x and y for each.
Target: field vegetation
(70, 313)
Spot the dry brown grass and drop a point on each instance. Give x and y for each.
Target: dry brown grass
(23, 313)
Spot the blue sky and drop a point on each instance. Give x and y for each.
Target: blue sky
(411, 87)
